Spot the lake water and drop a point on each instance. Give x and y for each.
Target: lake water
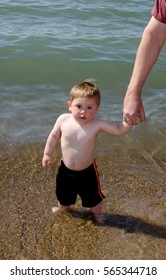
(45, 48)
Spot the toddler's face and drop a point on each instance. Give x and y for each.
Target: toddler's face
(83, 109)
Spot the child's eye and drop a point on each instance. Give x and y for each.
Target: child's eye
(78, 106)
(89, 108)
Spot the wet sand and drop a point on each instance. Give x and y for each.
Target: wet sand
(134, 183)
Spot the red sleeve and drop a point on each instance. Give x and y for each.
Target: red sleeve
(159, 10)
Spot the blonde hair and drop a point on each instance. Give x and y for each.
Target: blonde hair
(86, 89)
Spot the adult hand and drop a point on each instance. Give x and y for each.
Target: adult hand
(133, 111)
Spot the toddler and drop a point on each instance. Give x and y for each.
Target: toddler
(78, 131)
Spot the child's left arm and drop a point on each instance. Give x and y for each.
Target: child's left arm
(123, 128)
(115, 129)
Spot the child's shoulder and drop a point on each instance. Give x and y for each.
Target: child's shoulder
(64, 117)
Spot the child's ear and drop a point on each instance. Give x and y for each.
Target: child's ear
(69, 105)
(98, 109)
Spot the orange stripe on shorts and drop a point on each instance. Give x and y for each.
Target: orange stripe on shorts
(98, 180)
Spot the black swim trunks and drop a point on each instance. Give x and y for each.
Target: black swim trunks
(85, 183)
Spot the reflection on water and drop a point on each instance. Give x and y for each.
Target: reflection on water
(133, 181)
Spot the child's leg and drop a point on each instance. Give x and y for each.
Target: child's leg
(96, 210)
(60, 208)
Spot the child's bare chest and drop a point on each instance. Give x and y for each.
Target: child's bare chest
(77, 134)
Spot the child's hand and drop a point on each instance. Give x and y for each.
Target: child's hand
(46, 161)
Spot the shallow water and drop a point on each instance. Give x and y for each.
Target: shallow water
(133, 183)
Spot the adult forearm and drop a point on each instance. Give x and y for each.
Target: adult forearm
(147, 54)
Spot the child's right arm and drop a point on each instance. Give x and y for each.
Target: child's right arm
(51, 143)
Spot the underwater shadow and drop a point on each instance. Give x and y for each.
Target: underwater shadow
(128, 224)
